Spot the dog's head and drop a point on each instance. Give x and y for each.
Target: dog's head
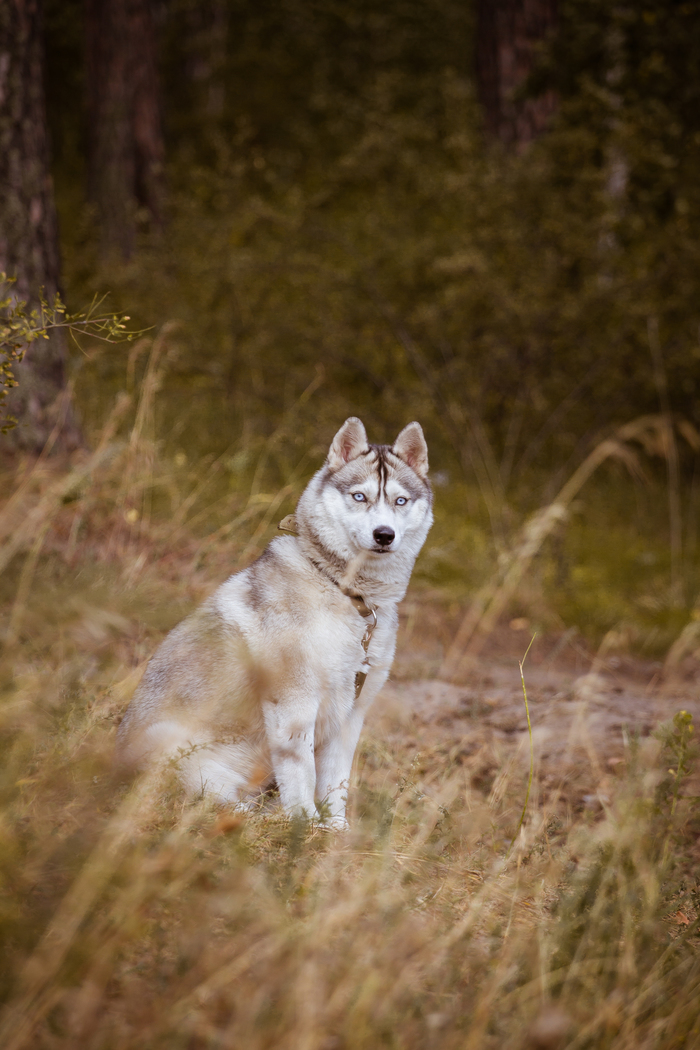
(373, 498)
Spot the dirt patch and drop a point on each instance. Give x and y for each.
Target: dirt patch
(586, 722)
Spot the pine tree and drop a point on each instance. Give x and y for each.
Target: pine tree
(507, 36)
(125, 136)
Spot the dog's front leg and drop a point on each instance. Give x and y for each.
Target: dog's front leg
(333, 767)
(289, 723)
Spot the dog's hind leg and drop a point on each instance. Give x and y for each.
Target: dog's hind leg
(223, 772)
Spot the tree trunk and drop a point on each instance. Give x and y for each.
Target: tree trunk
(207, 23)
(126, 142)
(29, 247)
(508, 32)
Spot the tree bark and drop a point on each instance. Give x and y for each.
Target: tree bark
(126, 149)
(29, 249)
(507, 36)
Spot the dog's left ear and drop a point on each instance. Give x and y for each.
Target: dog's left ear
(349, 443)
(411, 447)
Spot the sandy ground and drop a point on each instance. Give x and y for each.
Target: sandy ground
(586, 714)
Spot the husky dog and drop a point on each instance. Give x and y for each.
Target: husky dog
(272, 676)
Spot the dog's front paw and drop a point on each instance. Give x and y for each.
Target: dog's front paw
(334, 823)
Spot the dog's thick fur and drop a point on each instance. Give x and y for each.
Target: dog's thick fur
(259, 682)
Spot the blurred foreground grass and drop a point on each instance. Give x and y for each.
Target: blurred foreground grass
(131, 917)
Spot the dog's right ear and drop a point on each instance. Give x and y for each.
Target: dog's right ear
(349, 443)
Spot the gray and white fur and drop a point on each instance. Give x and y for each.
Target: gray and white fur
(259, 682)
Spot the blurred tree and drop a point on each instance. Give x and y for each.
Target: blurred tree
(29, 247)
(507, 37)
(126, 148)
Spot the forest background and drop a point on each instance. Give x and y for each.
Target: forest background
(482, 217)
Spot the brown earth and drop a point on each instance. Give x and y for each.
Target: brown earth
(587, 713)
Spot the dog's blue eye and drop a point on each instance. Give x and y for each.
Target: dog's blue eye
(400, 501)
(359, 497)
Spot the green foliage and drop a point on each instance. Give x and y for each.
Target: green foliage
(343, 207)
(677, 738)
(629, 130)
(21, 325)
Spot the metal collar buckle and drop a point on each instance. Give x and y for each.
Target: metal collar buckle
(366, 611)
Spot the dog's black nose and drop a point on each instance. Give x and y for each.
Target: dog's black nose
(384, 536)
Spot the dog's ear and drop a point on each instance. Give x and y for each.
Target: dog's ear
(410, 446)
(349, 443)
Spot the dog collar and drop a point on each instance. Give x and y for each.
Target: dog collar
(367, 611)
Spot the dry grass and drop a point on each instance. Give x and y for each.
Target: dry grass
(132, 917)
